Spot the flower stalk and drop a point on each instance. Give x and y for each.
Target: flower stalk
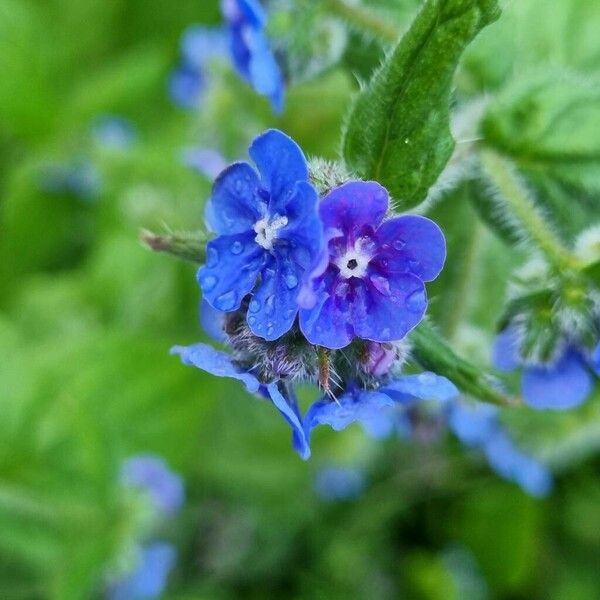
(363, 19)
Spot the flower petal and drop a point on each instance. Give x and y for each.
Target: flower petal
(265, 74)
(411, 244)
(213, 322)
(353, 206)
(281, 164)
(349, 408)
(233, 263)
(288, 408)
(505, 355)
(234, 204)
(595, 362)
(564, 385)
(274, 305)
(380, 316)
(473, 424)
(216, 363)
(425, 386)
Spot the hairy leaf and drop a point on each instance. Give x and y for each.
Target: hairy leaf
(398, 132)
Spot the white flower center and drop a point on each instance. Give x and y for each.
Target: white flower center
(266, 230)
(353, 263)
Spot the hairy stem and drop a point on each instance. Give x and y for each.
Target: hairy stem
(190, 246)
(363, 19)
(523, 209)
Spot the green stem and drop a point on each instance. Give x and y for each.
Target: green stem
(363, 19)
(524, 210)
(186, 246)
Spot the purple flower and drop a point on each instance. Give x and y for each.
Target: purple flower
(371, 283)
(371, 408)
(149, 578)
(334, 483)
(220, 364)
(269, 233)
(199, 46)
(565, 383)
(152, 475)
(250, 51)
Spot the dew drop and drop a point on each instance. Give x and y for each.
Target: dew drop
(399, 244)
(291, 281)
(251, 320)
(415, 302)
(270, 305)
(289, 313)
(270, 328)
(386, 333)
(208, 283)
(226, 301)
(381, 284)
(237, 247)
(212, 257)
(254, 305)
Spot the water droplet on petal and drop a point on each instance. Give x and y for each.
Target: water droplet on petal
(251, 320)
(212, 257)
(289, 313)
(291, 281)
(381, 284)
(237, 247)
(208, 282)
(416, 302)
(399, 244)
(386, 333)
(254, 305)
(270, 328)
(226, 301)
(270, 305)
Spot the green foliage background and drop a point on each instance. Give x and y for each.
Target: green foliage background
(87, 316)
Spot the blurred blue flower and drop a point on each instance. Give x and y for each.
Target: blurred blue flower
(221, 364)
(335, 483)
(199, 46)
(152, 475)
(563, 384)
(114, 132)
(371, 284)
(148, 580)
(478, 426)
(79, 178)
(206, 161)
(269, 232)
(252, 56)
(371, 408)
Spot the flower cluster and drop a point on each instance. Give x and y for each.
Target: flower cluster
(314, 290)
(145, 577)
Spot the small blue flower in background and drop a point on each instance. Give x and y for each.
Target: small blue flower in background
(477, 426)
(220, 364)
(371, 284)
(269, 233)
(371, 408)
(148, 579)
(114, 132)
(252, 56)
(563, 384)
(199, 46)
(334, 483)
(152, 475)
(206, 161)
(79, 178)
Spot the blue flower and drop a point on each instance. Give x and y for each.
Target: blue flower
(371, 408)
(152, 475)
(114, 132)
(269, 233)
(477, 426)
(199, 46)
(250, 51)
(220, 364)
(370, 285)
(79, 178)
(206, 161)
(563, 384)
(334, 483)
(148, 580)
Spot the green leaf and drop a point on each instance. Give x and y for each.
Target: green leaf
(549, 126)
(398, 132)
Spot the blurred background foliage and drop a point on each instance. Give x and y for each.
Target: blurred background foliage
(87, 316)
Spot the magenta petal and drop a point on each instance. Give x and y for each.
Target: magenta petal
(354, 206)
(411, 244)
